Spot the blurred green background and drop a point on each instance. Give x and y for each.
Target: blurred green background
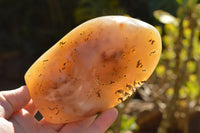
(167, 103)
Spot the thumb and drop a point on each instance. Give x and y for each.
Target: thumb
(13, 100)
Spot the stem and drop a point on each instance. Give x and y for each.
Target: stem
(168, 115)
(198, 79)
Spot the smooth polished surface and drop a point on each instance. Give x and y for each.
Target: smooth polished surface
(93, 68)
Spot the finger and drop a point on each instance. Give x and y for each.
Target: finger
(79, 126)
(103, 122)
(24, 122)
(6, 126)
(30, 107)
(13, 100)
(55, 127)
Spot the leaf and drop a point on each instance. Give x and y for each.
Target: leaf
(160, 70)
(128, 123)
(168, 41)
(159, 28)
(191, 66)
(181, 2)
(170, 29)
(165, 17)
(193, 87)
(197, 11)
(183, 92)
(170, 92)
(169, 54)
(191, 3)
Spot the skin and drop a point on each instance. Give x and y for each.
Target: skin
(17, 116)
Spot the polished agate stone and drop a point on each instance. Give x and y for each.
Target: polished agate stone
(93, 68)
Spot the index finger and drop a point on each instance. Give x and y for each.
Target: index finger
(102, 123)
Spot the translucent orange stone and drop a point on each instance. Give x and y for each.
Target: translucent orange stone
(93, 68)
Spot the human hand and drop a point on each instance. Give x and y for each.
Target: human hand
(17, 116)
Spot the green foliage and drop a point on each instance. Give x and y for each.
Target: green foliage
(171, 30)
(128, 123)
(192, 89)
(191, 67)
(179, 65)
(181, 2)
(160, 71)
